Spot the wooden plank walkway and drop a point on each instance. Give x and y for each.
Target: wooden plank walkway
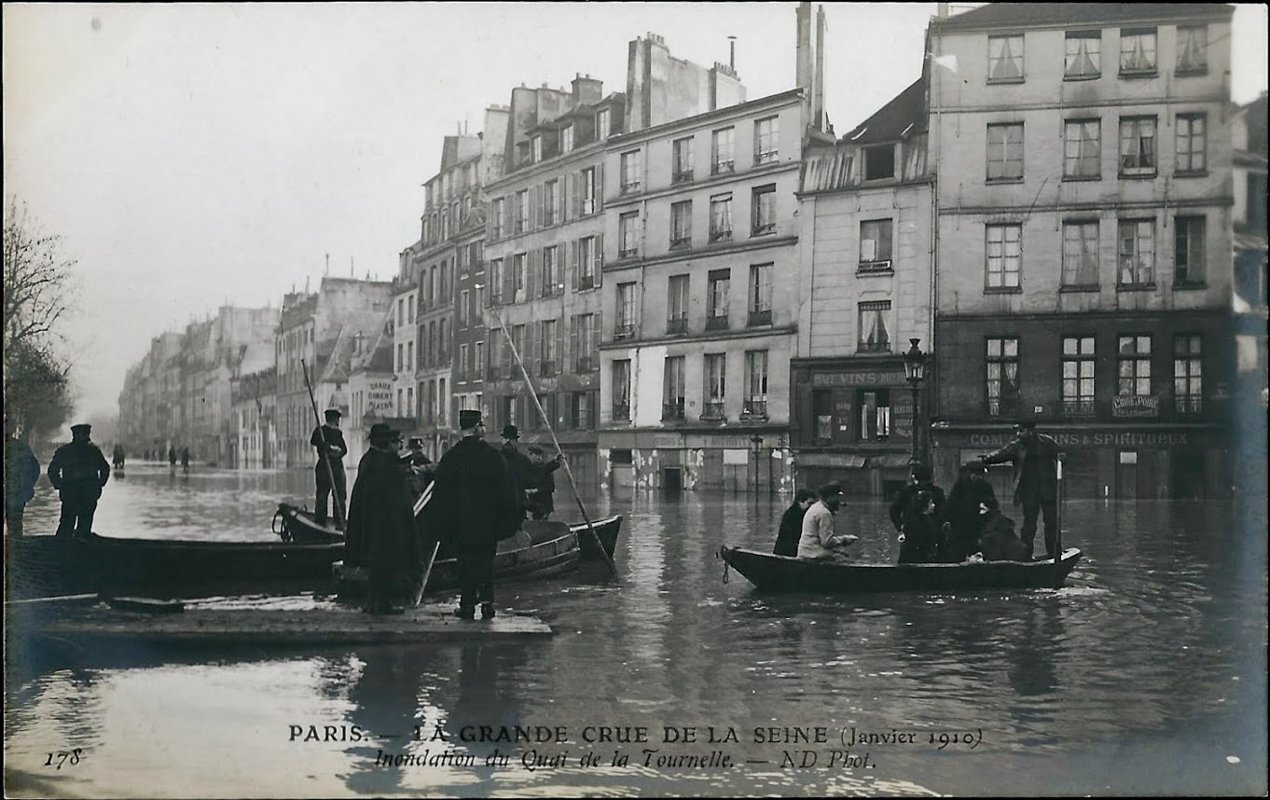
(313, 626)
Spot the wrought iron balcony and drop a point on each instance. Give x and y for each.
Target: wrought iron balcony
(679, 325)
(672, 411)
(719, 322)
(760, 317)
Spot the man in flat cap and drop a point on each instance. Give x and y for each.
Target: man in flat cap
(381, 524)
(1035, 459)
(476, 507)
(78, 471)
(328, 473)
(819, 541)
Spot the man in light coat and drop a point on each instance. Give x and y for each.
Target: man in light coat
(818, 540)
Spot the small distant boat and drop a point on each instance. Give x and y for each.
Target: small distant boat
(772, 573)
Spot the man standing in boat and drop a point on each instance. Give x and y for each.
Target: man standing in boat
(524, 473)
(78, 471)
(1035, 458)
(381, 521)
(328, 473)
(905, 510)
(541, 495)
(818, 539)
(476, 506)
(419, 465)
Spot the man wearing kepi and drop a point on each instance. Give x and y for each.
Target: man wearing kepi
(476, 508)
(1035, 458)
(381, 521)
(819, 541)
(78, 471)
(328, 441)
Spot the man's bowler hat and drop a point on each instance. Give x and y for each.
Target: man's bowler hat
(382, 432)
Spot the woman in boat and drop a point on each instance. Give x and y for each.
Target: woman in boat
(919, 535)
(792, 523)
(969, 500)
(997, 540)
(919, 480)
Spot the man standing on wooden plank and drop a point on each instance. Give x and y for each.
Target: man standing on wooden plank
(78, 471)
(381, 521)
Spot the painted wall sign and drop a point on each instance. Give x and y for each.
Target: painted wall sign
(1135, 405)
(822, 379)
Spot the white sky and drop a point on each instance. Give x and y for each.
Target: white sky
(191, 155)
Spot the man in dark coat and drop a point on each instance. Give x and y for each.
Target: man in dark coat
(541, 495)
(328, 442)
(476, 506)
(1035, 458)
(969, 500)
(78, 471)
(997, 541)
(420, 467)
(792, 524)
(919, 537)
(171, 455)
(381, 523)
(524, 473)
(21, 472)
(919, 480)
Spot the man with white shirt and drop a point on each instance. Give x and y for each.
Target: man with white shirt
(819, 540)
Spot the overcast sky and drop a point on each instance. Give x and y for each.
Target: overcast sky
(192, 155)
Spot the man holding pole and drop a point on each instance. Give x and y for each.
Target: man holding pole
(328, 441)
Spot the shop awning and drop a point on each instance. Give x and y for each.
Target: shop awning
(889, 460)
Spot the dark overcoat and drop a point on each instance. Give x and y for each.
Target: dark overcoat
(21, 472)
(1035, 467)
(79, 469)
(961, 514)
(474, 496)
(381, 526)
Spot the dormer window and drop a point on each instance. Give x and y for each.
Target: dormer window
(879, 162)
(535, 149)
(602, 124)
(566, 138)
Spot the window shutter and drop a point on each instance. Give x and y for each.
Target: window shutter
(530, 353)
(599, 187)
(560, 206)
(573, 265)
(599, 258)
(533, 268)
(509, 280)
(573, 338)
(596, 327)
(535, 203)
(575, 180)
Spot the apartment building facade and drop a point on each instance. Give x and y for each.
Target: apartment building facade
(1083, 258)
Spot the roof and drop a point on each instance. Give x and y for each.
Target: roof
(900, 118)
(1021, 15)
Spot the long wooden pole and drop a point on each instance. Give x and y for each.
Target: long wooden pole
(336, 500)
(1058, 516)
(533, 395)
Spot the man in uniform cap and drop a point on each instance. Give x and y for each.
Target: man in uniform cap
(78, 471)
(328, 473)
(381, 524)
(475, 507)
(818, 540)
(1035, 459)
(419, 466)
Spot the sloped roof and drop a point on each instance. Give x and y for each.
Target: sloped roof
(377, 357)
(1075, 14)
(903, 116)
(339, 351)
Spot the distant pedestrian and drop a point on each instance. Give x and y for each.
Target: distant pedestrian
(540, 496)
(185, 459)
(1035, 459)
(117, 457)
(328, 472)
(792, 523)
(476, 507)
(381, 522)
(818, 540)
(21, 472)
(172, 456)
(78, 471)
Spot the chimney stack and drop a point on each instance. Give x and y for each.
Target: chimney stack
(732, 54)
(818, 90)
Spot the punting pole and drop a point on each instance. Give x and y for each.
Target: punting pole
(336, 500)
(567, 470)
(1058, 515)
(436, 546)
(64, 598)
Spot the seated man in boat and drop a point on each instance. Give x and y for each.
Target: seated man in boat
(792, 523)
(919, 534)
(818, 540)
(969, 500)
(540, 497)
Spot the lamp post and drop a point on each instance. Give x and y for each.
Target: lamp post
(914, 372)
(757, 441)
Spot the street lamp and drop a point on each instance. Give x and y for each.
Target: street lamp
(914, 372)
(757, 441)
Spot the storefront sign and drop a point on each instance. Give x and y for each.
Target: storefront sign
(378, 396)
(1135, 406)
(824, 379)
(1086, 439)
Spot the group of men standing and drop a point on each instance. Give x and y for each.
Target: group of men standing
(78, 471)
(477, 496)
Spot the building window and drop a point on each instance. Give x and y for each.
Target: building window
(1137, 51)
(717, 299)
(624, 327)
(588, 191)
(681, 224)
(401, 360)
(721, 217)
(547, 365)
(621, 390)
(760, 303)
(522, 211)
(401, 311)
(535, 149)
(874, 423)
(721, 151)
(1134, 366)
(1188, 250)
(550, 199)
(1004, 256)
(1192, 49)
(628, 235)
(588, 265)
(1187, 372)
(1137, 252)
(463, 365)
(518, 278)
(1137, 146)
(464, 298)
(677, 304)
(681, 160)
(1005, 59)
(879, 162)
(1005, 152)
(1191, 142)
(766, 136)
(630, 172)
(1078, 376)
(585, 336)
(602, 124)
(1081, 146)
(479, 359)
(874, 336)
(875, 245)
(715, 388)
(1080, 253)
(763, 205)
(496, 219)
(566, 138)
(822, 413)
(551, 283)
(755, 402)
(1084, 55)
(673, 389)
(1003, 376)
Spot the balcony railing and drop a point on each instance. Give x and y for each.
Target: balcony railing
(873, 347)
(628, 252)
(722, 167)
(1078, 408)
(680, 242)
(719, 322)
(754, 408)
(721, 236)
(764, 227)
(673, 410)
(630, 188)
(624, 330)
(682, 176)
(621, 412)
(586, 282)
(677, 326)
(760, 317)
(712, 410)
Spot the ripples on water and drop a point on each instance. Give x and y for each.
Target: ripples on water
(1142, 675)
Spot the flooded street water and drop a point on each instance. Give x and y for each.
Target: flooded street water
(1144, 675)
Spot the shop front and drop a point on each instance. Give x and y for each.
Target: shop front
(753, 460)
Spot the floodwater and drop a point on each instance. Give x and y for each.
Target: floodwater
(1145, 675)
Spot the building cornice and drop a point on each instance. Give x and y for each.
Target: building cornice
(1021, 212)
(1074, 107)
(706, 119)
(530, 173)
(712, 182)
(709, 336)
(760, 243)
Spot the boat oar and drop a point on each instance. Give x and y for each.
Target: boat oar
(533, 395)
(336, 500)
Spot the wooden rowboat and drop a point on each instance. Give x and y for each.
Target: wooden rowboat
(772, 573)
